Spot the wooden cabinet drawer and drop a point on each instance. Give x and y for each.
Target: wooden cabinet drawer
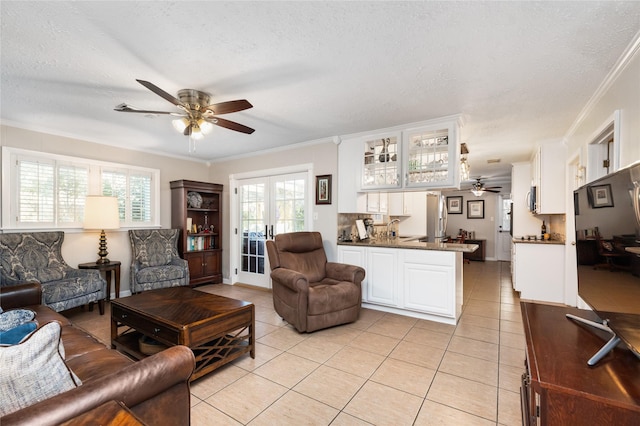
(145, 325)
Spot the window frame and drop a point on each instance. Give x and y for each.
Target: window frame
(10, 158)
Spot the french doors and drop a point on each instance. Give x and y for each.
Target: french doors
(267, 206)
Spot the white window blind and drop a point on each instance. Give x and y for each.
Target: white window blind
(73, 187)
(49, 191)
(35, 192)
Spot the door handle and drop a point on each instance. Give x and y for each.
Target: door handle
(271, 233)
(266, 232)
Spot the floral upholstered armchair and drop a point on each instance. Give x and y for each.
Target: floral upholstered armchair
(37, 257)
(155, 262)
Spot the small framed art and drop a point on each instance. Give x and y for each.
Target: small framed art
(600, 196)
(475, 209)
(323, 189)
(454, 205)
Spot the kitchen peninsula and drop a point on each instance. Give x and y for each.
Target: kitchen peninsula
(409, 277)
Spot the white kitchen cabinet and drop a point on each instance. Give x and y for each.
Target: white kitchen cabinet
(432, 156)
(539, 271)
(377, 202)
(429, 279)
(353, 255)
(424, 284)
(382, 267)
(400, 203)
(418, 155)
(548, 175)
(350, 199)
(380, 157)
(524, 223)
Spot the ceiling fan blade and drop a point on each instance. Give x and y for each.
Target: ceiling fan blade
(158, 91)
(228, 107)
(491, 190)
(232, 125)
(128, 108)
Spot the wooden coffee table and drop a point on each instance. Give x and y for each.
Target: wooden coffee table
(216, 328)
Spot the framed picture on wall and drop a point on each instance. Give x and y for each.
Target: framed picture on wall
(475, 209)
(454, 205)
(600, 196)
(323, 189)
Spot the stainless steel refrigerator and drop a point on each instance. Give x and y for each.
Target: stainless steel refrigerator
(436, 217)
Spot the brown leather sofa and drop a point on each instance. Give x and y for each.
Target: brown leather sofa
(309, 292)
(156, 389)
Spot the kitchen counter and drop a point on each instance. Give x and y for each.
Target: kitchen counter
(538, 241)
(410, 243)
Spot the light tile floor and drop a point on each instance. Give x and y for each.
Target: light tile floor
(384, 369)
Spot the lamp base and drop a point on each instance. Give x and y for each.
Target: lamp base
(102, 250)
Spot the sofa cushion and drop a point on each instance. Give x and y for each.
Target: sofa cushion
(34, 370)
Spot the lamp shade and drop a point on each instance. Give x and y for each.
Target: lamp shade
(101, 212)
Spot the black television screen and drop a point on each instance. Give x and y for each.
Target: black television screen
(607, 219)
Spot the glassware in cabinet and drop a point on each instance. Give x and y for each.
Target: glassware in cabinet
(381, 162)
(431, 157)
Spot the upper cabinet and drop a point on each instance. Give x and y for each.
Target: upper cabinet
(432, 156)
(548, 177)
(381, 166)
(423, 155)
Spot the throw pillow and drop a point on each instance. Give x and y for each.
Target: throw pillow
(17, 334)
(15, 317)
(34, 370)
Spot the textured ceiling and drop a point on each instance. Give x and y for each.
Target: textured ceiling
(519, 72)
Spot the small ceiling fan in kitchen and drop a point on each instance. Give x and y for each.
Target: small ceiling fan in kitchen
(478, 188)
(196, 115)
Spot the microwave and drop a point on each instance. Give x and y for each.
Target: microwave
(532, 197)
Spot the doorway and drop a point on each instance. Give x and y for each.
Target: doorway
(266, 206)
(503, 240)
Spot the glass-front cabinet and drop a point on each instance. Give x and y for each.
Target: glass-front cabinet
(381, 161)
(431, 156)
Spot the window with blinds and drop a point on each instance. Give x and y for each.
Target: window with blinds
(45, 190)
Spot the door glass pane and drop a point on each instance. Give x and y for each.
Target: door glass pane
(252, 206)
(289, 205)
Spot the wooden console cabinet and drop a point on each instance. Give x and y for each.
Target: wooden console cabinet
(559, 388)
(202, 247)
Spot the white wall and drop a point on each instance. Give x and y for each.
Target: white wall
(81, 246)
(620, 92)
(485, 229)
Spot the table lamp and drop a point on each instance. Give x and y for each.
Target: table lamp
(101, 212)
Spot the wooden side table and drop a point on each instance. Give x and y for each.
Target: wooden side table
(107, 268)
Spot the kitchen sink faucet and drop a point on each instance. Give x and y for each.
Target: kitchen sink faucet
(389, 225)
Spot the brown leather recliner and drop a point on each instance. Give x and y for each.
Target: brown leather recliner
(309, 292)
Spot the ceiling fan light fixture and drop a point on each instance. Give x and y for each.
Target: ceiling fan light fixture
(477, 192)
(205, 126)
(180, 124)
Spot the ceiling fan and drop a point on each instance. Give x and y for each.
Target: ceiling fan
(196, 115)
(478, 188)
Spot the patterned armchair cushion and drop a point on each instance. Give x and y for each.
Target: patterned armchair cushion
(154, 274)
(43, 275)
(154, 247)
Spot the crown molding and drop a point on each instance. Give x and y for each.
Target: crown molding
(621, 64)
